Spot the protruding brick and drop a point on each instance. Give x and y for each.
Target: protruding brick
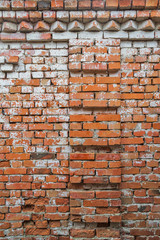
(41, 27)
(63, 16)
(71, 4)
(103, 16)
(111, 26)
(93, 26)
(25, 27)
(147, 25)
(75, 15)
(35, 16)
(9, 16)
(88, 16)
(75, 26)
(129, 26)
(58, 27)
(22, 16)
(9, 27)
(49, 16)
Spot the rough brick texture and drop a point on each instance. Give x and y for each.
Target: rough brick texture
(80, 119)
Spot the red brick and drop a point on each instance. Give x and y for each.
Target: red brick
(82, 195)
(98, 4)
(57, 4)
(138, 4)
(151, 4)
(111, 4)
(30, 5)
(106, 233)
(86, 233)
(84, 4)
(124, 4)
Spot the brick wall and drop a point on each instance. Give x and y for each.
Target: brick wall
(80, 120)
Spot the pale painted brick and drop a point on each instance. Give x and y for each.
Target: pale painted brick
(60, 52)
(153, 44)
(157, 35)
(38, 37)
(39, 90)
(121, 34)
(7, 82)
(4, 89)
(130, 14)
(27, 89)
(3, 45)
(129, 51)
(90, 35)
(138, 44)
(0, 16)
(63, 16)
(37, 74)
(126, 44)
(9, 27)
(13, 75)
(50, 45)
(25, 75)
(2, 75)
(65, 36)
(141, 35)
(50, 74)
(62, 45)
(2, 59)
(7, 68)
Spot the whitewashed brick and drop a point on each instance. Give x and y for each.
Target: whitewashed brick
(126, 44)
(141, 35)
(12, 74)
(138, 44)
(7, 68)
(37, 74)
(63, 16)
(65, 36)
(2, 59)
(152, 44)
(25, 75)
(121, 34)
(90, 35)
(60, 52)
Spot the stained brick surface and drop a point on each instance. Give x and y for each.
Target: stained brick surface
(79, 120)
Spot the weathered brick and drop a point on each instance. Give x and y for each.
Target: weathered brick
(79, 119)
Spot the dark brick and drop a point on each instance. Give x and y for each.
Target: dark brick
(44, 5)
(42, 155)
